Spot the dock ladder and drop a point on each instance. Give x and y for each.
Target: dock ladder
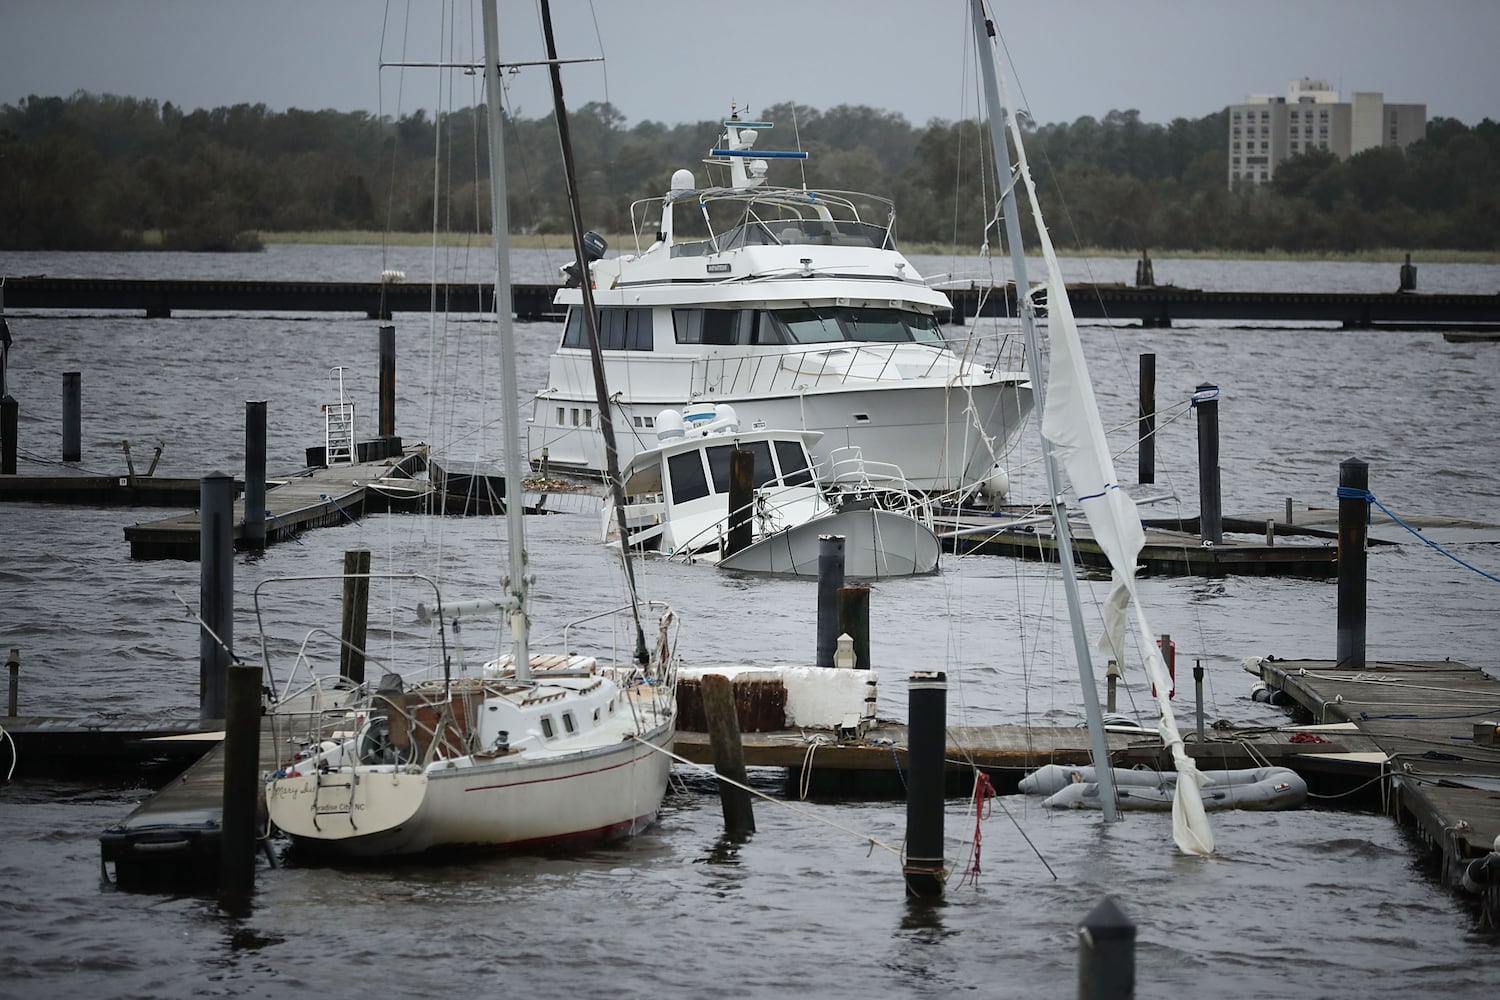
(338, 426)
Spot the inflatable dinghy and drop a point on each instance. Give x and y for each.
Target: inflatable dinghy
(1139, 788)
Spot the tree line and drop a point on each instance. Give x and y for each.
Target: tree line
(108, 172)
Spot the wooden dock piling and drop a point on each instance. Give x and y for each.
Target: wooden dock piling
(729, 758)
(854, 621)
(215, 593)
(1106, 953)
(1354, 518)
(830, 579)
(255, 474)
(241, 782)
(387, 419)
(1210, 511)
(1146, 456)
(741, 500)
(356, 614)
(72, 417)
(10, 422)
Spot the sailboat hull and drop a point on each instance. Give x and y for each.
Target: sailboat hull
(512, 803)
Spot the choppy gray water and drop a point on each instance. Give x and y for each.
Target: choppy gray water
(1317, 903)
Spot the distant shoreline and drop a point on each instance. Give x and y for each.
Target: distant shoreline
(533, 241)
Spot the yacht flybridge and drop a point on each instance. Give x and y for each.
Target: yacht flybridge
(791, 304)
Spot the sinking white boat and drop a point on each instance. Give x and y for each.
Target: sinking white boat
(791, 304)
(1266, 788)
(525, 751)
(678, 503)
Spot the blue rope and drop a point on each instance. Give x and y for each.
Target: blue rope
(1432, 718)
(285, 528)
(331, 500)
(1354, 493)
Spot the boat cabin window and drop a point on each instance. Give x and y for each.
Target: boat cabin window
(722, 327)
(568, 723)
(620, 329)
(689, 481)
(830, 324)
(719, 459)
(546, 727)
(795, 470)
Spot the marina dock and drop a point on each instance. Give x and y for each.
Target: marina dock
(1151, 305)
(1435, 726)
(320, 498)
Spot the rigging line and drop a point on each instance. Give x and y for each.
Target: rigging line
(867, 838)
(797, 137)
(1352, 493)
(599, 37)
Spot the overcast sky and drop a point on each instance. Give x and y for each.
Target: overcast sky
(685, 60)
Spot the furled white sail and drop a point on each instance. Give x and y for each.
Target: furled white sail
(1070, 420)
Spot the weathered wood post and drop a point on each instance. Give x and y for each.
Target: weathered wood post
(1146, 456)
(741, 500)
(215, 591)
(926, 739)
(237, 839)
(830, 579)
(13, 665)
(387, 426)
(1210, 518)
(1354, 520)
(1408, 276)
(1106, 953)
(10, 424)
(729, 754)
(356, 615)
(72, 417)
(255, 474)
(854, 621)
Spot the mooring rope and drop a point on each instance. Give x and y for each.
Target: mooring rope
(867, 838)
(341, 510)
(1354, 493)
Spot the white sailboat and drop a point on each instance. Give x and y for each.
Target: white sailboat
(1073, 433)
(534, 751)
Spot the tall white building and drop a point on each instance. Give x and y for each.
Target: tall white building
(1268, 128)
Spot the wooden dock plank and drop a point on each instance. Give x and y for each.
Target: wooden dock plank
(1422, 715)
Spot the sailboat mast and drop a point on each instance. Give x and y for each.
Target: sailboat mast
(591, 321)
(984, 31)
(517, 583)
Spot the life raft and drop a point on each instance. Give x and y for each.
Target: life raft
(1141, 788)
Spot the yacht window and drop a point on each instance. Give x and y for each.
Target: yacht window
(568, 723)
(810, 326)
(718, 464)
(547, 727)
(765, 472)
(689, 481)
(923, 327)
(620, 329)
(718, 327)
(794, 468)
(882, 325)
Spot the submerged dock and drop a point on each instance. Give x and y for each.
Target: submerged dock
(1435, 726)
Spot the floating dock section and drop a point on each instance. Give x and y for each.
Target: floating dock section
(1435, 725)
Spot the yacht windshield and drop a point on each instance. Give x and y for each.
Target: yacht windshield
(827, 324)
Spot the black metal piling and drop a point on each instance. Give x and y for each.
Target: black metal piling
(215, 591)
(72, 417)
(13, 666)
(854, 621)
(387, 381)
(1408, 276)
(356, 615)
(1146, 456)
(729, 753)
(1106, 953)
(255, 474)
(10, 423)
(238, 834)
(830, 580)
(1354, 521)
(741, 500)
(1210, 514)
(926, 745)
